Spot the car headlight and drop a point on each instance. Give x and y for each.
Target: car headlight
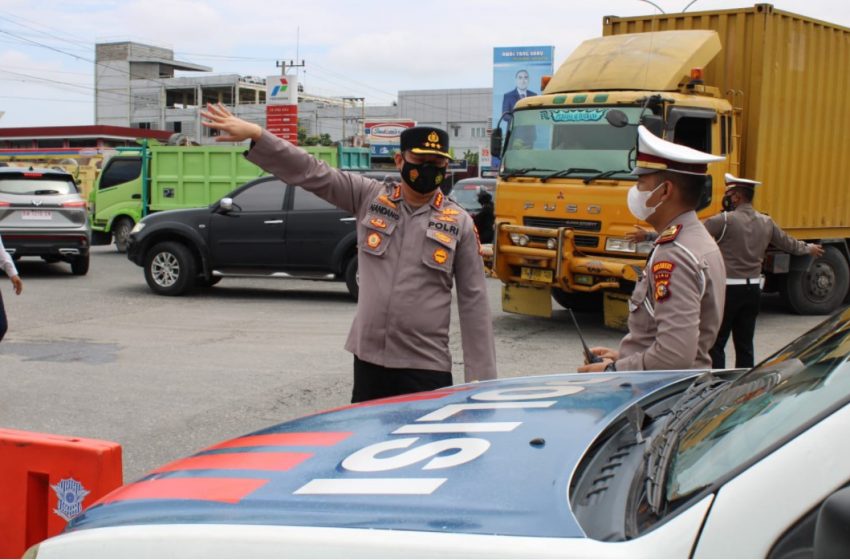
(620, 245)
(519, 239)
(138, 227)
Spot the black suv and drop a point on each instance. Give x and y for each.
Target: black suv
(263, 228)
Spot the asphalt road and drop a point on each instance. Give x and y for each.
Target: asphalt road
(100, 356)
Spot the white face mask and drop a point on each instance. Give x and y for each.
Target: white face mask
(637, 202)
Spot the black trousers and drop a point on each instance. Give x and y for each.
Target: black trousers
(739, 318)
(3, 324)
(372, 381)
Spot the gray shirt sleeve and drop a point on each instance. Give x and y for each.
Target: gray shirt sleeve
(714, 225)
(784, 242)
(294, 166)
(6, 262)
(476, 327)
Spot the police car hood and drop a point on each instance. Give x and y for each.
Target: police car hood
(484, 458)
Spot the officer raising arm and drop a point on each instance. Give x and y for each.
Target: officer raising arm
(675, 309)
(413, 245)
(743, 235)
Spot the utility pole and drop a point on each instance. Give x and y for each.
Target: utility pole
(345, 101)
(282, 64)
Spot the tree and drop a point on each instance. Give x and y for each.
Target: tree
(471, 157)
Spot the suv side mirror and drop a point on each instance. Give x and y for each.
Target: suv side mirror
(832, 540)
(496, 142)
(226, 204)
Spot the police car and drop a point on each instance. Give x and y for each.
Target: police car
(662, 464)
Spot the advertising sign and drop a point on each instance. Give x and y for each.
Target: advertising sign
(282, 90)
(383, 136)
(516, 74)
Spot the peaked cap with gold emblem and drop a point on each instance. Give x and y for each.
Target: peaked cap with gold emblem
(425, 140)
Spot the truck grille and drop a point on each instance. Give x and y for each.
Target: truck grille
(584, 225)
(586, 240)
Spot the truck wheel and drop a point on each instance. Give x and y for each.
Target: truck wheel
(820, 289)
(121, 232)
(170, 268)
(577, 300)
(352, 278)
(80, 265)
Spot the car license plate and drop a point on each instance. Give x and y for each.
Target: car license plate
(536, 275)
(36, 215)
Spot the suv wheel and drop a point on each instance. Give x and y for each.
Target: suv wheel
(352, 279)
(170, 268)
(80, 265)
(121, 232)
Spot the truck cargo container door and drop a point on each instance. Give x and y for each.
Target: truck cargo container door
(251, 234)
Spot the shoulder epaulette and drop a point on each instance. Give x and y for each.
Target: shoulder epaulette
(669, 234)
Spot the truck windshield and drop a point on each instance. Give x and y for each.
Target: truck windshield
(556, 139)
(765, 407)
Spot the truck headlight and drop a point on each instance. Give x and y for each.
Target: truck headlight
(519, 239)
(551, 243)
(620, 245)
(138, 227)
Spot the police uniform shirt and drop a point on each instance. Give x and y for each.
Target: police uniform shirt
(408, 259)
(677, 305)
(6, 262)
(744, 235)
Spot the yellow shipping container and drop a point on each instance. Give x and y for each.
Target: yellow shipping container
(789, 75)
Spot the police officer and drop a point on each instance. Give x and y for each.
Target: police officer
(485, 218)
(676, 306)
(414, 243)
(743, 235)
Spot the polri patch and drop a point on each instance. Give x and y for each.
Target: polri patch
(374, 240)
(662, 274)
(440, 256)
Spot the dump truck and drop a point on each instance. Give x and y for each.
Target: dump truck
(762, 87)
(153, 177)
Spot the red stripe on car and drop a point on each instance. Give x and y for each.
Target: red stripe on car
(228, 490)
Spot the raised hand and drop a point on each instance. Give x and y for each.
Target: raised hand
(218, 117)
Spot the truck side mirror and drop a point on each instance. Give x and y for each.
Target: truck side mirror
(832, 539)
(496, 142)
(616, 118)
(654, 124)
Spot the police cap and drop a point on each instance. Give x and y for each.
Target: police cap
(656, 154)
(425, 140)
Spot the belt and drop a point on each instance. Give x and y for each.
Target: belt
(742, 281)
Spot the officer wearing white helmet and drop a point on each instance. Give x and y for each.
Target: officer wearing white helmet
(743, 235)
(676, 306)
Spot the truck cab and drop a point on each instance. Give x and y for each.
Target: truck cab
(561, 209)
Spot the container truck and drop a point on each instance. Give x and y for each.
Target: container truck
(762, 87)
(153, 177)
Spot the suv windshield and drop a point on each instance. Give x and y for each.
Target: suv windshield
(36, 186)
(552, 140)
(766, 406)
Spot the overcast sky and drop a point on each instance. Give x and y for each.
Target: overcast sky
(367, 48)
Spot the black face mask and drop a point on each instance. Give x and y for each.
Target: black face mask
(423, 177)
(727, 203)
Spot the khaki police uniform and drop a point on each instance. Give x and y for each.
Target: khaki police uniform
(408, 260)
(743, 236)
(675, 309)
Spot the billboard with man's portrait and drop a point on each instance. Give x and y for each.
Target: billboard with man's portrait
(517, 72)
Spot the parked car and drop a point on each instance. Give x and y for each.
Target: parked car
(465, 192)
(732, 463)
(42, 214)
(263, 228)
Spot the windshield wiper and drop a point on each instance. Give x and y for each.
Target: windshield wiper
(567, 173)
(521, 171)
(662, 446)
(606, 174)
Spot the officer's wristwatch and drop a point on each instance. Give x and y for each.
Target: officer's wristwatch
(611, 367)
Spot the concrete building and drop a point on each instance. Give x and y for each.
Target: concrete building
(136, 86)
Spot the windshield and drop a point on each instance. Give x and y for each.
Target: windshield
(36, 186)
(544, 141)
(764, 407)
